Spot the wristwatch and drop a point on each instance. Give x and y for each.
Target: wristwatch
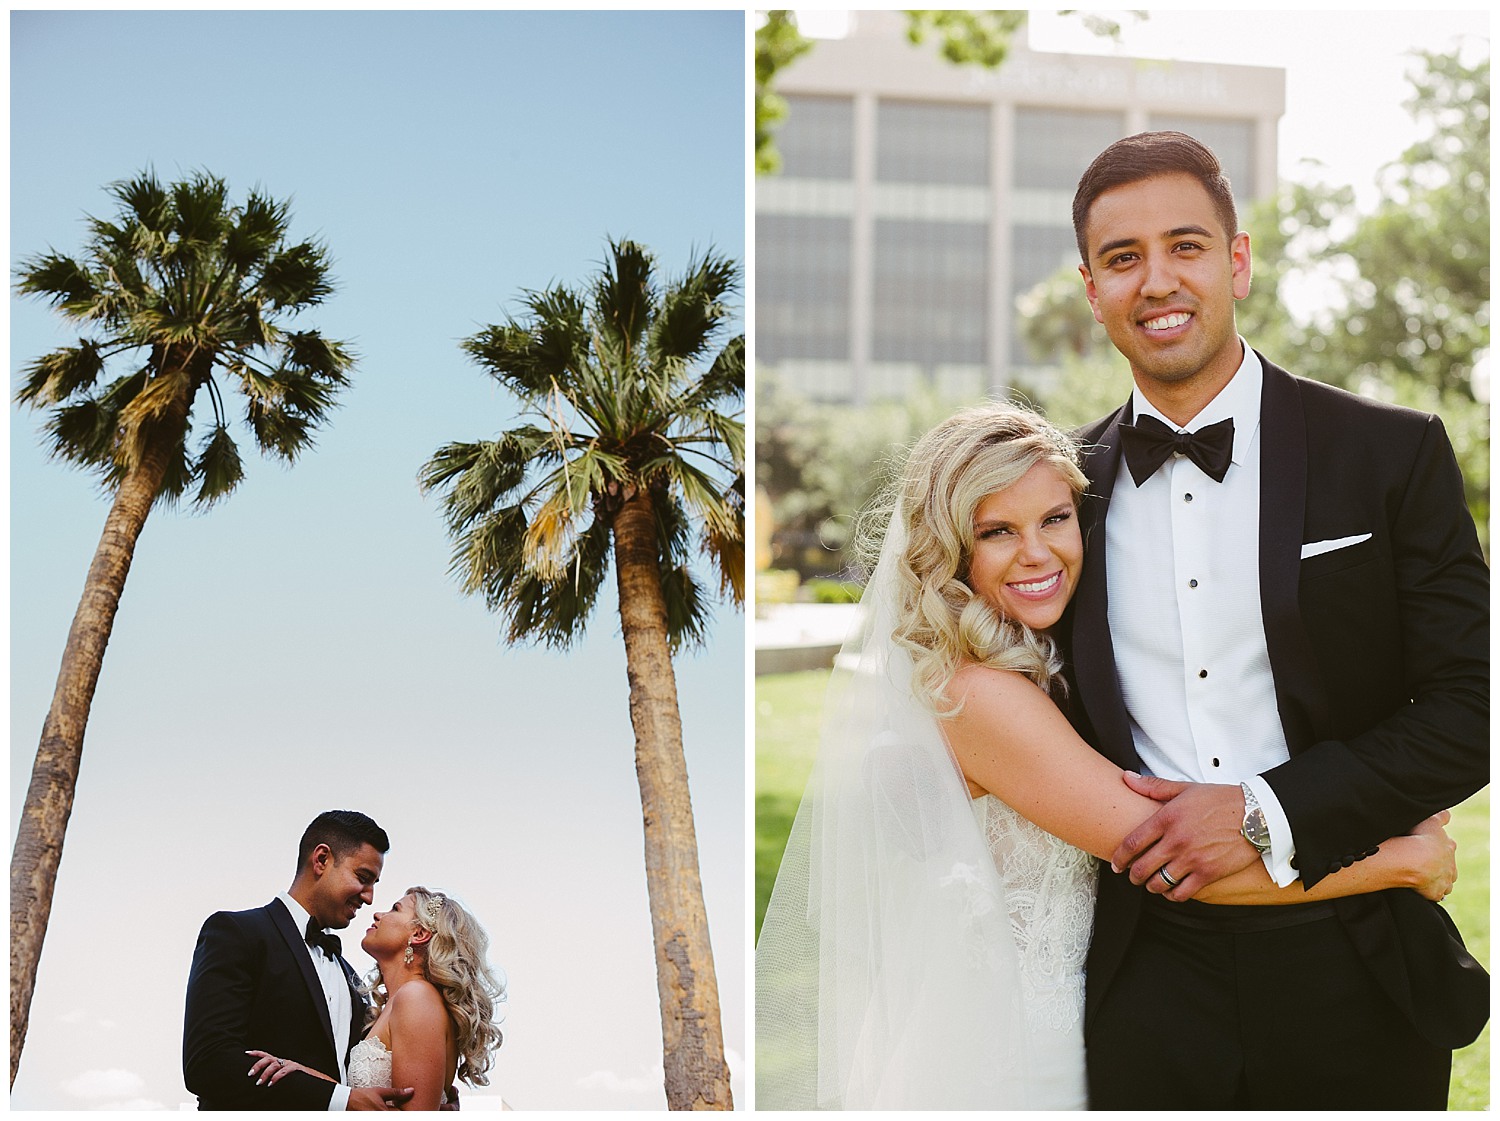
(1255, 830)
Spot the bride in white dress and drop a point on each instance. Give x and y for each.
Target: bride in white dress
(925, 942)
(434, 1001)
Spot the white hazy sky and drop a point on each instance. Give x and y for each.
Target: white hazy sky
(1345, 71)
(301, 647)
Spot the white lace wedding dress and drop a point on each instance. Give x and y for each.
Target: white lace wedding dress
(370, 1064)
(1049, 891)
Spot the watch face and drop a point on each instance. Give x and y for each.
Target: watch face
(1256, 831)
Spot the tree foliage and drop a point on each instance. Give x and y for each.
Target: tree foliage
(820, 463)
(627, 384)
(181, 289)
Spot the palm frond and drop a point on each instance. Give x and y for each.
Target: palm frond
(261, 227)
(687, 607)
(623, 301)
(725, 545)
(84, 432)
(531, 357)
(278, 430)
(178, 477)
(609, 380)
(690, 315)
(296, 277)
(551, 535)
(320, 357)
(724, 379)
(218, 467)
(149, 413)
(201, 213)
(57, 376)
(480, 476)
(555, 611)
(62, 282)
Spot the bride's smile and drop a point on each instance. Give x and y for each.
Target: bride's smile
(1027, 548)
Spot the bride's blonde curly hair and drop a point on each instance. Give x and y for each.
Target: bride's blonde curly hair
(940, 621)
(456, 963)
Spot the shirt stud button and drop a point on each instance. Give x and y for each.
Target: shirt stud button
(1187, 497)
(1192, 583)
(1203, 673)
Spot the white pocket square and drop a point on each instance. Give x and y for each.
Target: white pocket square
(1317, 548)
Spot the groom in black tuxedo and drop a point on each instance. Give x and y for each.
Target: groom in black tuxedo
(274, 979)
(1284, 604)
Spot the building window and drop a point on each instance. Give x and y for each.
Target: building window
(1055, 146)
(931, 292)
(816, 141)
(801, 287)
(1233, 141)
(931, 142)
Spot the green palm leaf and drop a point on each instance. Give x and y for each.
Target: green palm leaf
(611, 383)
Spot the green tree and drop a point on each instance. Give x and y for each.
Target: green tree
(777, 43)
(821, 463)
(632, 451)
(182, 286)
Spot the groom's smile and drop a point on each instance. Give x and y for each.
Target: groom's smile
(345, 884)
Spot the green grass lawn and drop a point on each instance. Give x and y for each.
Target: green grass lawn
(787, 712)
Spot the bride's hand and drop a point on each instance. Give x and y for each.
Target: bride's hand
(269, 1070)
(1437, 865)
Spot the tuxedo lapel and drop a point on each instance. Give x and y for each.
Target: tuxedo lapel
(297, 946)
(1283, 503)
(1093, 649)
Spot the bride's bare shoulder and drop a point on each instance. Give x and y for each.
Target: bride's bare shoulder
(972, 680)
(417, 999)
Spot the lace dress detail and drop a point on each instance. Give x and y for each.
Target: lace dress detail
(370, 1064)
(1049, 891)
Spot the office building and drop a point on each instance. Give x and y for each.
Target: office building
(917, 199)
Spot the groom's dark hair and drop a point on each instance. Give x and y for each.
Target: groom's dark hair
(1145, 156)
(342, 831)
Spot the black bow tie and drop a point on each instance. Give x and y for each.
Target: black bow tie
(318, 939)
(1148, 443)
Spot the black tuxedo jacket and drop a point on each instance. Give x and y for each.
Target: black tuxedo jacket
(1380, 656)
(253, 986)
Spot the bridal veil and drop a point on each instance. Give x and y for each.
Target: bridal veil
(886, 975)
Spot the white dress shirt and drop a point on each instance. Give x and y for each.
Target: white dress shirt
(335, 993)
(1183, 565)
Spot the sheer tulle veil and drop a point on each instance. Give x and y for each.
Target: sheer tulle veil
(886, 975)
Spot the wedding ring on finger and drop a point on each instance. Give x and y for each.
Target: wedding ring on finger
(1166, 877)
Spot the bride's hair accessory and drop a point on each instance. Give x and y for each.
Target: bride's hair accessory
(455, 961)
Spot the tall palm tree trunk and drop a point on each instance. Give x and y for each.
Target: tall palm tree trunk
(692, 1038)
(54, 775)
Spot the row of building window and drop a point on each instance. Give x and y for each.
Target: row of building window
(930, 273)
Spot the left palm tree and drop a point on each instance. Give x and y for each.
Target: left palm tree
(182, 286)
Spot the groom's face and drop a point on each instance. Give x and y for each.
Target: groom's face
(344, 884)
(1162, 277)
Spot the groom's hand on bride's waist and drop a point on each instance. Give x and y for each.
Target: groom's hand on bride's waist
(378, 1097)
(1195, 837)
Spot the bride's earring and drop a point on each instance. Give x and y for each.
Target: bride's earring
(408, 954)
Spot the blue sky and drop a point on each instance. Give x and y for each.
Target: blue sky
(302, 647)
